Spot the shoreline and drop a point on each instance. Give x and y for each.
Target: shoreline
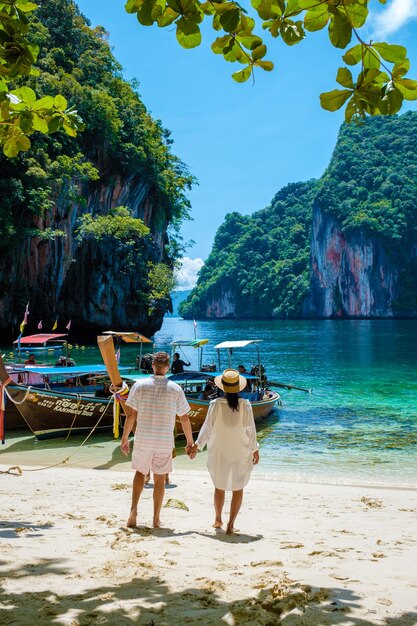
(307, 554)
(275, 477)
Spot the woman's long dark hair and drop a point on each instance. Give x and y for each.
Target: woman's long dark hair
(232, 401)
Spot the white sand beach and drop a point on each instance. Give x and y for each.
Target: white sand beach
(307, 554)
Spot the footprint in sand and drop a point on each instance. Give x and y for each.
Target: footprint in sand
(266, 563)
(287, 545)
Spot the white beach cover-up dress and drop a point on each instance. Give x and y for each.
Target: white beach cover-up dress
(231, 441)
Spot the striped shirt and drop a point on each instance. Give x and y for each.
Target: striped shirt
(157, 401)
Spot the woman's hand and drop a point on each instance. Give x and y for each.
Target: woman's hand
(256, 457)
(192, 450)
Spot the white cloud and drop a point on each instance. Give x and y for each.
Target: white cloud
(391, 19)
(187, 274)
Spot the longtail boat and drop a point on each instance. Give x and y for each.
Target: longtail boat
(58, 401)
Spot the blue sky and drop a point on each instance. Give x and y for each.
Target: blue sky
(242, 142)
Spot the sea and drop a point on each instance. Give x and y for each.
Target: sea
(358, 425)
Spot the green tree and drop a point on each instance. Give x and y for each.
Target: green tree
(21, 112)
(379, 87)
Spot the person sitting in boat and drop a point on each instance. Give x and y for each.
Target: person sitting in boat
(31, 360)
(242, 370)
(178, 364)
(208, 393)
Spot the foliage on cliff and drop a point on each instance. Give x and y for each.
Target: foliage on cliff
(370, 187)
(260, 261)
(120, 138)
(371, 181)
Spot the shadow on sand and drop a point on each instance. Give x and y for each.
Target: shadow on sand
(146, 600)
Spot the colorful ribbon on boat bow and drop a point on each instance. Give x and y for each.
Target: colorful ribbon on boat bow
(3, 386)
(119, 398)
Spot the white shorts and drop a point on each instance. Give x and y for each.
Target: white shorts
(158, 462)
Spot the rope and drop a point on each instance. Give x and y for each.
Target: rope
(114, 394)
(27, 392)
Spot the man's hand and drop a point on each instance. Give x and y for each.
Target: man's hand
(191, 450)
(256, 457)
(124, 446)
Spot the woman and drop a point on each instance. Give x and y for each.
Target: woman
(230, 435)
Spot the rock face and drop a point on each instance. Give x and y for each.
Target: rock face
(93, 283)
(351, 276)
(221, 307)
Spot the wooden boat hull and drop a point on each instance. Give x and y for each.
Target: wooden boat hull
(57, 414)
(51, 414)
(199, 409)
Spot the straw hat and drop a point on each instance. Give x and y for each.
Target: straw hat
(230, 381)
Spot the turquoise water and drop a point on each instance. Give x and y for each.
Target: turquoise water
(360, 423)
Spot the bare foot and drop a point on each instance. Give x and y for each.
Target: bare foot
(147, 478)
(231, 530)
(157, 523)
(131, 521)
(218, 524)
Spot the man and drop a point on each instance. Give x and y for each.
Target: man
(178, 364)
(31, 360)
(154, 402)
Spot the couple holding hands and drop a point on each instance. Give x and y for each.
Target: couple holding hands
(228, 431)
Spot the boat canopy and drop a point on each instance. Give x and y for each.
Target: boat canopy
(76, 370)
(39, 339)
(236, 344)
(194, 343)
(129, 337)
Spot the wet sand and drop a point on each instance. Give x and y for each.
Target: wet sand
(307, 554)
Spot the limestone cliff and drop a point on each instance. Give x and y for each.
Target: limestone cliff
(88, 282)
(123, 158)
(344, 246)
(352, 275)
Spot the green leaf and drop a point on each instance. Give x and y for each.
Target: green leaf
(268, 66)
(26, 94)
(390, 52)
(344, 77)
(317, 18)
(340, 31)
(145, 13)
(230, 20)
(242, 75)
(357, 13)
(10, 148)
(292, 32)
(43, 103)
(133, 6)
(334, 100)
(353, 55)
(69, 129)
(39, 123)
(26, 7)
(371, 59)
(168, 17)
(259, 52)
(392, 100)
(407, 87)
(250, 42)
(400, 69)
(220, 44)
(23, 143)
(268, 9)
(173, 503)
(60, 103)
(54, 124)
(188, 33)
(307, 4)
